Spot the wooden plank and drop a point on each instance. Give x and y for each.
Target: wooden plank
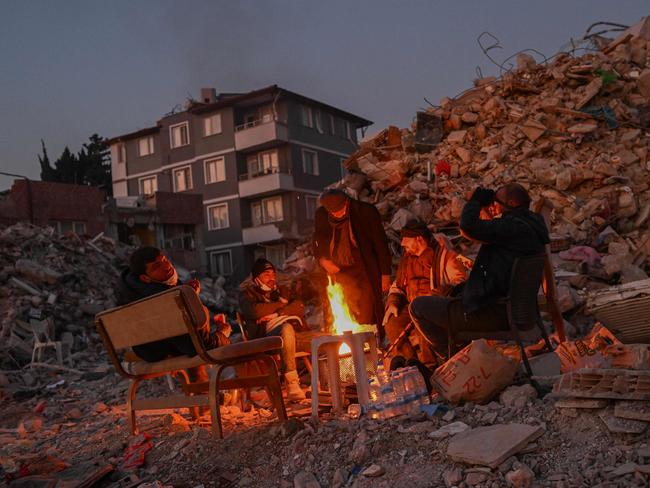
(177, 401)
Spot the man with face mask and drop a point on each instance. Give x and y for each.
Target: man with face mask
(269, 310)
(150, 272)
(351, 246)
(428, 267)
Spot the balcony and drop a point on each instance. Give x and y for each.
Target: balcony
(261, 233)
(265, 183)
(257, 134)
(267, 233)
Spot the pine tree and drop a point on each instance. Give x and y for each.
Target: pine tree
(91, 166)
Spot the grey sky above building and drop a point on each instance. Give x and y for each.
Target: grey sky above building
(72, 68)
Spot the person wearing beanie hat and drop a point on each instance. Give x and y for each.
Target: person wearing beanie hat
(428, 267)
(150, 272)
(351, 246)
(270, 310)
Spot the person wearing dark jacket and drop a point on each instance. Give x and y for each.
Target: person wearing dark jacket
(518, 232)
(351, 246)
(428, 267)
(270, 310)
(150, 272)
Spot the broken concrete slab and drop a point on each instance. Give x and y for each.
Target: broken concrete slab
(586, 403)
(490, 446)
(633, 410)
(621, 426)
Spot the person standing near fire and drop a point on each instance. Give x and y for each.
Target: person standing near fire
(428, 267)
(351, 246)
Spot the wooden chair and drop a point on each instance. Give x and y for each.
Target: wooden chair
(172, 313)
(523, 313)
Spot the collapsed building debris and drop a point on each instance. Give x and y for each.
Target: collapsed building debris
(574, 131)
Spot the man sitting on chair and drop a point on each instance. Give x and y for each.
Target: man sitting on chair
(269, 310)
(516, 233)
(428, 267)
(150, 272)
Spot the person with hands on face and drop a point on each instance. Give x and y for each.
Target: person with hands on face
(150, 272)
(515, 233)
(351, 246)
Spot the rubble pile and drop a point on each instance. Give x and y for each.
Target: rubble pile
(574, 131)
(51, 287)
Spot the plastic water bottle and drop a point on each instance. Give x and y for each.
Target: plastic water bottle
(387, 393)
(422, 392)
(376, 406)
(410, 391)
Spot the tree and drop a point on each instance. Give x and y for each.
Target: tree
(95, 158)
(91, 166)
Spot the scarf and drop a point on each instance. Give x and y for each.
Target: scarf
(342, 241)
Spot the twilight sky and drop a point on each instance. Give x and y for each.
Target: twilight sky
(69, 68)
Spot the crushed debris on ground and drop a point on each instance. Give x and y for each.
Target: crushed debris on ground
(573, 130)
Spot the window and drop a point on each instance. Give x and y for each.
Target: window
(272, 209)
(276, 254)
(332, 125)
(218, 217)
(212, 125)
(309, 162)
(307, 118)
(145, 146)
(215, 170)
(148, 185)
(57, 226)
(318, 120)
(221, 263)
(348, 130)
(311, 203)
(266, 211)
(79, 228)
(121, 153)
(262, 163)
(183, 178)
(179, 135)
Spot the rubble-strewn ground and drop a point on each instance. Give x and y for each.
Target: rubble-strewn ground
(83, 420)
(573, 130)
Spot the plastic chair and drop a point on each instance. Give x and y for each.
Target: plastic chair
(43, 333)
(524, 320)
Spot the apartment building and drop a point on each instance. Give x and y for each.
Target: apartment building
(259, 160)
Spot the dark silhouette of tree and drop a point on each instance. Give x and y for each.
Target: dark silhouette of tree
(91, 166)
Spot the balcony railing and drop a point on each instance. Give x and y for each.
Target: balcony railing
(260, 132)
(267, 171)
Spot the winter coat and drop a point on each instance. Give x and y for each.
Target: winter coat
(517, 233)
(255, 303)
(435, 272)
(373, 246)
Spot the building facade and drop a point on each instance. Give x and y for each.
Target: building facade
(259, 160)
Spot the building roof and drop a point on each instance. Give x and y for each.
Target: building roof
(229, 99)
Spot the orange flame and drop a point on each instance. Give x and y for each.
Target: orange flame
(343, 320)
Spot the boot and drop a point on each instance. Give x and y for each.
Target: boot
(294, 392)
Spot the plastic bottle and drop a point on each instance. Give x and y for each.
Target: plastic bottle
(397, 379)
(387, 393)
(376, 406)
(423, 393)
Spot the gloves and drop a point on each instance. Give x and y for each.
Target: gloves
(483, 196)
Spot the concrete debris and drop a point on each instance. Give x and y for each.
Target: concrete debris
(490, 446)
